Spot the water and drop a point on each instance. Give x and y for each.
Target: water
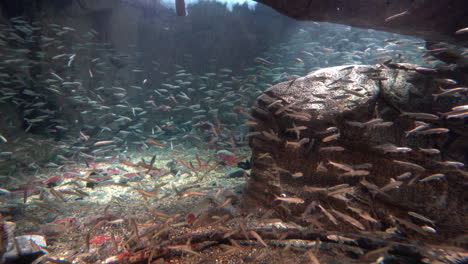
(123, 128)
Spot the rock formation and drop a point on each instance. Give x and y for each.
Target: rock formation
(363, 148)
(430, 20)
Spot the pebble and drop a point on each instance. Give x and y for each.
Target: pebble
(236, 173)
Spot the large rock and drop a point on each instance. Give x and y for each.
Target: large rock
(425, 19)
(337, 143)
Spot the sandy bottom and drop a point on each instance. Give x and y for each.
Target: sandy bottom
(110, 212)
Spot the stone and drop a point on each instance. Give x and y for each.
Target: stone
(374, 14)
(236, 173)
(345, 128)
(21, 249)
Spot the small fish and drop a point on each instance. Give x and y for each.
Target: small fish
(299, 60)
(422, 218)
(430, 151)
(420, 126)
(294, 200)
(328, 215)
(432, 177)
(331, 137)
(423, 116)
(354, 93)
(404, 176)
(297, 175)
(368, 185)
(433, 131)
(331, 149)
(104, 142)
(128, 163)
(4, 191)
(271, 136)
(390, 148)
(446, 81)
(297, 130)
(363, 214)
(341, 166)
(312, 257)
(264, 155)
(392, 185)
(462, 114)
(450, 92)
(356, 173)
(259, 238)
(193, 193)
(428, 229)
(154, 142)
(452, 163)
(150, 167)
(261, 60)
(250, 123)
(460, 107)
(339, 97)
(461, 31)
(296, 144)
(425, 70)
(284, 108)
(409, 165)
(145, 194)
(348, 219)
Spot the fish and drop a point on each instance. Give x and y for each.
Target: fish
(297, 130)
(297, 174)
(423, 116)
(150, 167)
(259, 238)
(299, 116)
(460, 107)
(299, 60)
(341, 166)
(451, 163)
(461, 31)
(193, 193)
(450, 92)
(128, 163)
(420, 126)
(154, 142)
(392, 185)
(261, 60)
(297, 144)
(409, 165)
(432, 131)
(312, 257)
(404, 176)
(363, 214)
(430, 151)
(331, 137)
(428, 229)
(271, 135)
(390, 148)
(432, 177)
(284, 108)
(328, 215)
(356, 173)
(104, 142)
(294, 200)
(422, 218)
(331, 148)
(349, 219)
